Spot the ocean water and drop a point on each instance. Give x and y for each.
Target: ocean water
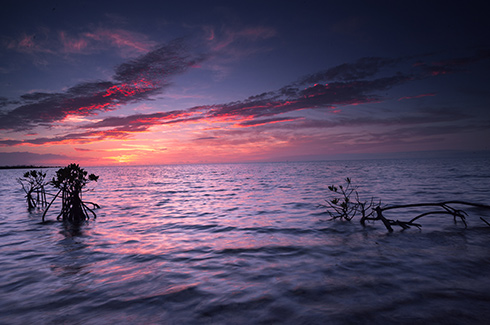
(249, 244)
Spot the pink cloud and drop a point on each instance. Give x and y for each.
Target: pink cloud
(73, 45)
(128, 42)
(225, 39)
(452, 65)
(134, 81)
(29, 44)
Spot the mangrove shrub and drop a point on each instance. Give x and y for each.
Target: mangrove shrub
(71, 182)
(33, 184)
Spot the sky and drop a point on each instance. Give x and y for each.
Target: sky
(171, 82)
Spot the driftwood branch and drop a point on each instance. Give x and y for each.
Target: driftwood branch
(348, 205)
(485, 221)
(446, 206)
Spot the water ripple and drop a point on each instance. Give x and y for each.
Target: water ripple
(247, 243)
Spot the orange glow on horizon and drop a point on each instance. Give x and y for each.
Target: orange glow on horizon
(123, 159)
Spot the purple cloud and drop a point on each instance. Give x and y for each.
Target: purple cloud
(361, 69)
(452, 65)
(351, 88)
(267, 121)
(29, 158)
(134, 81)
(267, 105)
(317, 96)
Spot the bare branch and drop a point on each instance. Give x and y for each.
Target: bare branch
(346, 208)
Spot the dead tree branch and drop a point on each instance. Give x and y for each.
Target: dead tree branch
(344, 207)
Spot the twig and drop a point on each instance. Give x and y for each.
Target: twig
(346, 208)
(49, 205)
(485, 221)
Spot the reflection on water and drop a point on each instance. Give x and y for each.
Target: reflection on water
(247, 243)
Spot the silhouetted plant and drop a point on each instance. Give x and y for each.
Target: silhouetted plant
(71, 181)
(346, 204)
(446, 207)
(33, 183)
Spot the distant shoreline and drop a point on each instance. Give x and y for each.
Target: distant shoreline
(27, 167)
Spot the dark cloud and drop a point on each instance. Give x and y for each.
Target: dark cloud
(134, 81)
(265, 105)
(452, 65)
(351, 89)
(417, 128)
(261, 96)
(361, 69)
(205, 138)
(5, 101)
(255, 108)
(422, 134)
(316, 96)
(138, 119)
(35, 96)
(353, 118)
(29, 158)
(417, 96)
(50, 108)
(120, 132)
(267, 121)
(10, 143)
(157, 65)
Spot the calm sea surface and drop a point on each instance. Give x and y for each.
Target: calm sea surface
(248, 244)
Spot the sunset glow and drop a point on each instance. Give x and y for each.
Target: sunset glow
(201, 88)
